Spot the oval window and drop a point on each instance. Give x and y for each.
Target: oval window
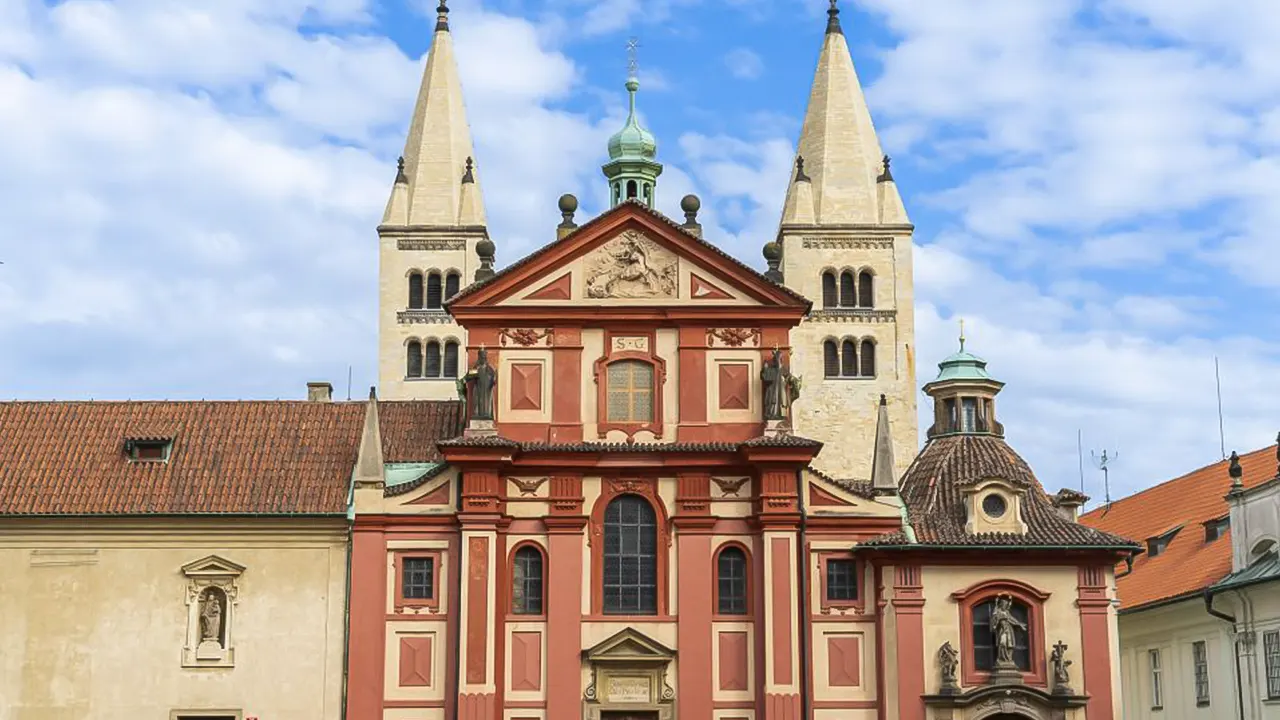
(994, 505)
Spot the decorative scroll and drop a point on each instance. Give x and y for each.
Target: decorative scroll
(734, 337)
(524, 337)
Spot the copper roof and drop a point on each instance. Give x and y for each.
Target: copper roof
(1188, 564)
(932, 491)
(251, 457)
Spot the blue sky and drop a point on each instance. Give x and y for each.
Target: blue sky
(188, 191)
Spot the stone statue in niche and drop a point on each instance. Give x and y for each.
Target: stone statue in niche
(781, 388)
(211, 617)
(948, 662)
(1003, 626)
(1061, 679)
(631, 266)
(484, 380)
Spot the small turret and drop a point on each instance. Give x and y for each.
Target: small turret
(632, 170)
(964, 396)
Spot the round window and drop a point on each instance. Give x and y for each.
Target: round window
(994, 505)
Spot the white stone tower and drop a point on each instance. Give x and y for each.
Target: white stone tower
(845, 243)
(433, 239)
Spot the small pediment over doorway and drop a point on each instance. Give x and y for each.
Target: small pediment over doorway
(629, 679)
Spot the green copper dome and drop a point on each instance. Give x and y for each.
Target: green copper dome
(962, 365)
(632, 141)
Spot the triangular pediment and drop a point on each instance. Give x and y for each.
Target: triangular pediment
(212, 566)
(629, 256)
(630, 645)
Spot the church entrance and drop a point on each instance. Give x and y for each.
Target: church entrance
(629, 715)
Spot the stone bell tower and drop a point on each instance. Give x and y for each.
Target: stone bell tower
(433, 238)
(845, 243)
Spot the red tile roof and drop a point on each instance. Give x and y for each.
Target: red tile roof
(1189, 564)
(68, 458)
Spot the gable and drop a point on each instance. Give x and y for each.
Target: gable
(630, 256)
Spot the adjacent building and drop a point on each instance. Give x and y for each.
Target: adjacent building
(1199, 616)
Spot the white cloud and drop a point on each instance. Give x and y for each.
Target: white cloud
(744, 63)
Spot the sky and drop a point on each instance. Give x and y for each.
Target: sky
(189, 191)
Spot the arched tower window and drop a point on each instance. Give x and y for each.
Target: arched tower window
(866, 291)
(868, 358)
(830, 358)
(451, 283)
(433, 291)
(413, 359)
(849, 359)
(830, 298)
(848, 293)
(731, 581)
(415, 291)
(632, 191)
(527, 582)
(432, 369)
(630, 579)
(450, 360)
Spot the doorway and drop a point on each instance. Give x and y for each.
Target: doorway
(628, 715)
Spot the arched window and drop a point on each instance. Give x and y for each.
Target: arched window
(849, 359)
(632, 192)
(415, 291)
(1262, 550)
(984, 639)
(433, 291)
(630, 392)
(830, 359)
(526, 582)
(848, 293)
(731, 581)
(866, 291)
(451, 282)
(433, 360)
(868, 358)
(630, 580)
(450, 360)
(829, 297)
(413, 361)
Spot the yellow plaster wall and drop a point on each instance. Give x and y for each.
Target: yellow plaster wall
(100, 634)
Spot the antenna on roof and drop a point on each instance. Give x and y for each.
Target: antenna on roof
(1103, 462)
(1222, 436)
(1080, 455)
(348, 382)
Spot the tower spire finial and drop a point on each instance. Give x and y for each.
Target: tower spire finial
(633, 62)
(961, 334)
(442, 16)
(833, 19)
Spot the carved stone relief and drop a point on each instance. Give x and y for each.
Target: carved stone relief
(631, 266)
(734, 337)
(524, 337)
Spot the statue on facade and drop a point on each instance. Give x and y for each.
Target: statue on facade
(211, 617)
(948, 663)
(781, 388)
(1058, 659)
(1003, 627)
(484, 380)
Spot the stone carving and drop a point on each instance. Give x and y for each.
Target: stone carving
(484, 380)
(630, 344)
(1003, 627)
(1061, 679)
(948, 662)
(528, 487)
(524, 337)
(781, 388)
(631, 266)
(734, 337)
(211, 617)
(730, 486)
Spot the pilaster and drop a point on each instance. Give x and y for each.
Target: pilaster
(908, 607)
(478, 621)
(1095, 642)
(565, 576)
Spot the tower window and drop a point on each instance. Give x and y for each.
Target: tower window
(632, 190)
(969, 415)
(450, 360)
(413, 361)
(415, 291)
(451, 282)
(831, 357)
(866, 292)
(952, 419)
(849, 359)
(848, 293)
(433, 360)
(829, 297)
(630, 582)
(433, 291)
(868, 358)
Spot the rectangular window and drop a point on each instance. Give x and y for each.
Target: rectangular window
(630, 388)
(1157, 680)
(1271, 646)
(842, 580)
(417, 578)
(1200, 661)
(969, 408)
(1215, 529)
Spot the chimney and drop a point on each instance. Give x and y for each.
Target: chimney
(319, 392)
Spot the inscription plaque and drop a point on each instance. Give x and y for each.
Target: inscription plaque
(629, 690)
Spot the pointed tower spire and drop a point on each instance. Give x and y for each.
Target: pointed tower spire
(439, 141)
(632, 169)
(369, 466)
(838, 140)
(882, 467)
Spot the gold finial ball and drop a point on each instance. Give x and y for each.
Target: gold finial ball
(772, 251)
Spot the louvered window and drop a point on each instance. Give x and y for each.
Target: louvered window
(731, 582)
(451, 285)
(433, 360)
(831, 359)
(450, 360)
(413, 363)
(526, 590)
(849, 359)
(433, 291)
(866, 291)
(415, 291)
(630, 392)
(868, 358)
(848, 293)
(630, 583)
(829, 297)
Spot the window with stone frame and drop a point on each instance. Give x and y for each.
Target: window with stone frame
(452, 281)
(527, 581)
(841, 580)
(435, 291)
(416, 296)
(630, 392)
(830, 295)
(630, 569)
(731, 581)
(830, 359)
(866, 291)
(1271, 653)
(1155, 665)
(450, 369)
(1200, 669)
(413, 359)
(417, 578)
(868, 359)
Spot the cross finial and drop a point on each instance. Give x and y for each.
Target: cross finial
(961, 334)
(633, 63)
(442, 16)
(833, 19)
